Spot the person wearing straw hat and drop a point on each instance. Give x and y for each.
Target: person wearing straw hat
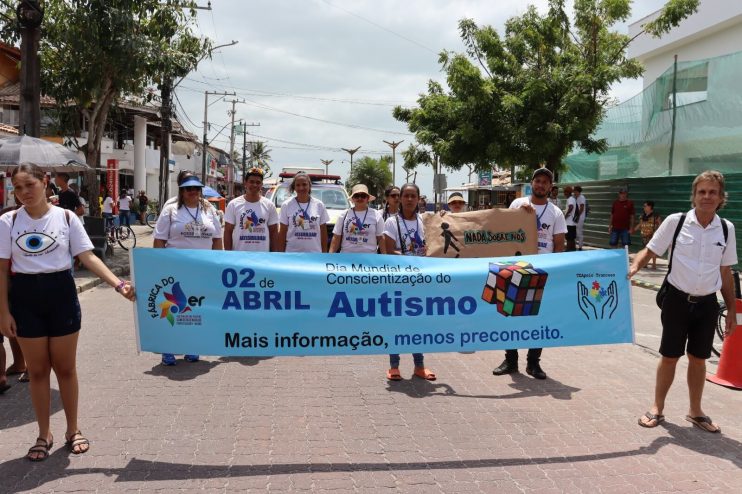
(361, 228)
(190, 222)
(456, 202)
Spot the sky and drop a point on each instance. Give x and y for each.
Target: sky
(321, 75)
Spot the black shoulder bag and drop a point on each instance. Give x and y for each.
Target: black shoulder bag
(662, 292)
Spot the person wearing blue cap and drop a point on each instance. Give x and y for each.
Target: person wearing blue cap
(190, 222)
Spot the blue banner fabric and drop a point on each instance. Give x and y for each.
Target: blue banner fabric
(252, 304)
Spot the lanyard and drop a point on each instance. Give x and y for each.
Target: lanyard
(539, 216)
(195, 218)
(304, 213)
(412, 240)
(360, 226)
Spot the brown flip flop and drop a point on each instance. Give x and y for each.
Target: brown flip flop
(650, 417)
(704, 422)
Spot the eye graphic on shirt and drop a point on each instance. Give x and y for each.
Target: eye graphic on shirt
(35, 242)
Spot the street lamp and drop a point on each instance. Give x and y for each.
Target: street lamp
(351, 152)
(394, 145)
(327, 165)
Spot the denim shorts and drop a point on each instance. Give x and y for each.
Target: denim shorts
(623, 235)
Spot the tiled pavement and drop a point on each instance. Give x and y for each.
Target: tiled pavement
(335, 424)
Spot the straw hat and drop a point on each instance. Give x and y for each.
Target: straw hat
(360, 188)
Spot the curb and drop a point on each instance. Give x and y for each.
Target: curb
(646, 284)
(92, 283)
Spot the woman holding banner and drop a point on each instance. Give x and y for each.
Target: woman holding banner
(404, 235)
(191, 222)
(360, 229)
(39, 306)
(302, 219)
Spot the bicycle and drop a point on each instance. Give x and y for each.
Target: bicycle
(122, 235)
(150, 217)
(722, 318)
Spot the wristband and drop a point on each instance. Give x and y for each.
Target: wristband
(121, 285)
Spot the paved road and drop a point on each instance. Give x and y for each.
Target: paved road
(335, 424)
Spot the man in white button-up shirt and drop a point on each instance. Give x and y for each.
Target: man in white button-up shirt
(701, 266)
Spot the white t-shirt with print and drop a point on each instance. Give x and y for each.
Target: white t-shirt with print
(304, 222)
(108, 205)
(251, 221)
(359, 230)
(124, 203)
(188, 228)
(549, 222)
(44, 245)
(413, 234)
(569, 215)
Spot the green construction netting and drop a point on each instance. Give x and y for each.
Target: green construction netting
(708, 126)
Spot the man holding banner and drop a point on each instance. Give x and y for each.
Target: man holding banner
(704, 250)
(550, 227)
(251, 220)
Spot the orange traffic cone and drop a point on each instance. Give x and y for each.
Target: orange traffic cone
(729, 372)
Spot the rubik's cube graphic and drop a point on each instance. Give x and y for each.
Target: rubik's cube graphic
(516, 288)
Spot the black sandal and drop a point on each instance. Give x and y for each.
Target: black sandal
(41, 447)
(73, 443)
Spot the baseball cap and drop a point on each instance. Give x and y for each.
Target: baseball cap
(622, 189)
(542, 171)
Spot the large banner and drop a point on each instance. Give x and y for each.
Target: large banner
(486, 233)
(237, 303)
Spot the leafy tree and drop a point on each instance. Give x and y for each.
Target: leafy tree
(526, 98)
(95, 52)
(374, 174)
(261, 155)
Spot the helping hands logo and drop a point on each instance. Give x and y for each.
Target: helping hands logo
(174, 303)
(597, 302)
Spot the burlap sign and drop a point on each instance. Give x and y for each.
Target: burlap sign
(487, 233)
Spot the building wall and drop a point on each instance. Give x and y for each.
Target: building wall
(716, 29)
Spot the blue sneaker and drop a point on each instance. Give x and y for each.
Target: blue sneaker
(168, 359)
(191, 358)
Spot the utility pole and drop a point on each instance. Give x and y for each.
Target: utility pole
(30, 14)
(327, 165)
(165, 127)
(244, 146)
(230, 172)
(351, 152)
(394, 145)
(674, 112)
(206, 129)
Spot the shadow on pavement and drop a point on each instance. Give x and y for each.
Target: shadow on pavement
(19, 398)
(526, 387)
(15, 473)
(183, 371)
(249, 361)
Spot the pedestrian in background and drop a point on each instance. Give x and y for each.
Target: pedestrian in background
(554, 197)
(569, 217)
(580, 213)
(143, 203)
(705, 251)
(107, 208)
(456, 203)
(124, 205)
(40, 307)
(621, 221)
(189, 222)
(648, 223)
(404, 235)
(302, 219)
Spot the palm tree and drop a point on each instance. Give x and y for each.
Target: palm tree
(260, 156)
(374, 174)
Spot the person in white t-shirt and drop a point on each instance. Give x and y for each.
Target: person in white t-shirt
(251, 221)
(404, 235)
(581, 206)
(569, 216)
(41, 308)
(302, 219)
(360, 229)
(190, 222)
(551, 228)
(107, 209)
(124, 208)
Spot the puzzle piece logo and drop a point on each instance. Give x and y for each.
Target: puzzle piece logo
(597, 302)
(515, 287)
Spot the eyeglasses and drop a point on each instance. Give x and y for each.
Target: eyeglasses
(360, 196)
(191, 188)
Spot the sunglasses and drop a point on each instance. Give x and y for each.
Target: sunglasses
(393, 195)
(191, 188)
(360, 196)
